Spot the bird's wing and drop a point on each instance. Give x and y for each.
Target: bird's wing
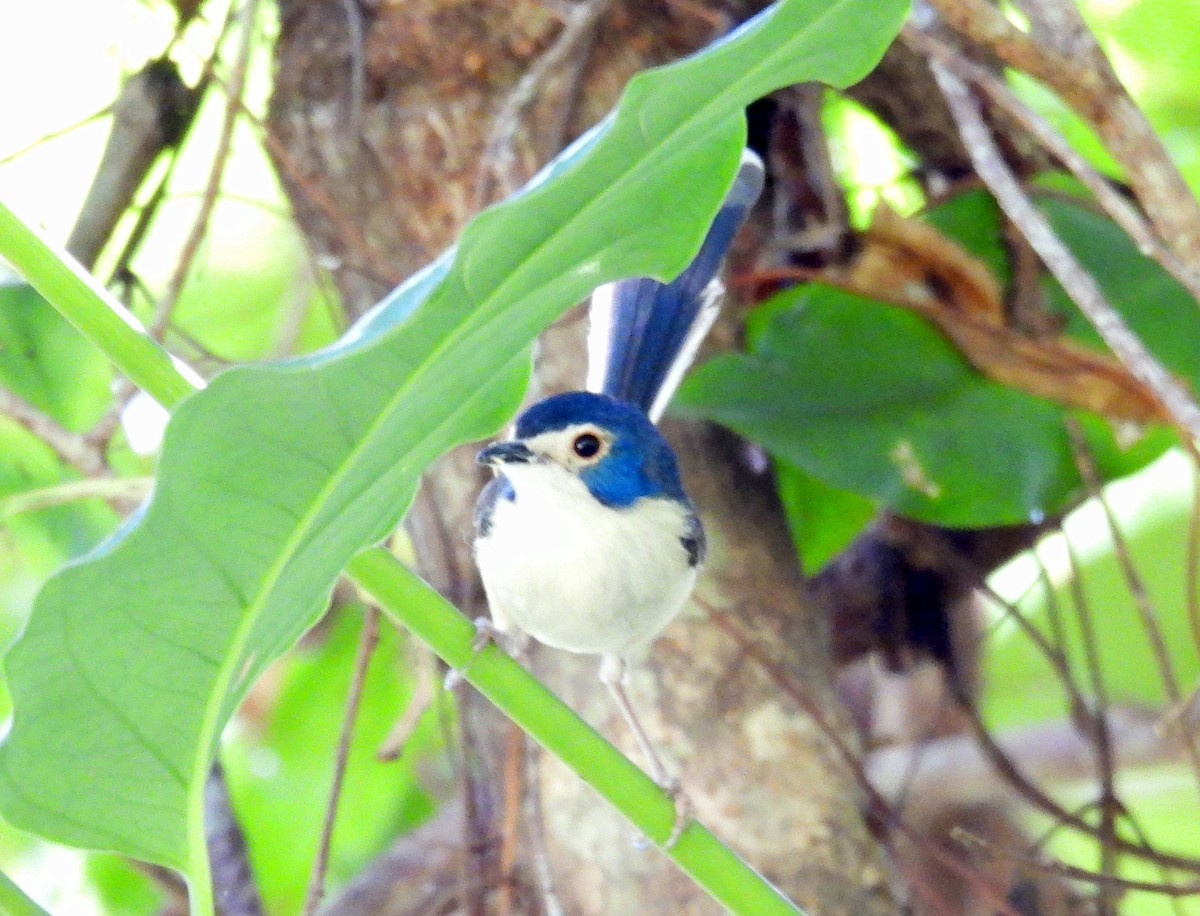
(644, 334)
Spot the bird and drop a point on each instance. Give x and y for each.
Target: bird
(585, 538)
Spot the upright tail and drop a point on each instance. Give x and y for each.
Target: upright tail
(644, 334)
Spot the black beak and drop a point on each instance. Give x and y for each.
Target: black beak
(511, 452)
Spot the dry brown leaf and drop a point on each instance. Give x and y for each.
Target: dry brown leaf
(910, 263)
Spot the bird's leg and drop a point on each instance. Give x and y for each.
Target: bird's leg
(612, 675)
(488, 632)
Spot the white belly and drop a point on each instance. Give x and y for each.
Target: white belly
(578, 575)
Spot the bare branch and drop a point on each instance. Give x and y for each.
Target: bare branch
(149, 116)
(1137, 587)
(1074, 66)
(1062, 263)
(367, 642)
(236, 85)
(496, 167)
(950, 772)
(1115, 204)
(425, 683)
(416, 876)
(72, 448)
(55, 134)
(1044, 863)
(121, 491)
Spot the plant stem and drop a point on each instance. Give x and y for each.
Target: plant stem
(14, 901)
(93, 310)
(437, 623)
(132, 489)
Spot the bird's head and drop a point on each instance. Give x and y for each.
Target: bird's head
(612, 447)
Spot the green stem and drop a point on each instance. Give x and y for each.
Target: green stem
(128, 488)
(437, 623)
(92, 309)
(418, 607)
(14, 901)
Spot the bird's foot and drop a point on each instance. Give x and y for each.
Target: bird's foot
(683, 813)
(683, 810)
(485, 635)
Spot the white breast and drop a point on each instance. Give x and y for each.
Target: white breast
(578, 575)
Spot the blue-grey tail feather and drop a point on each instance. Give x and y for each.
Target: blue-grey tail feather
(650, 321)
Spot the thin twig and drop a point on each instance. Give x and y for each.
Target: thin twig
(314, 193)
(512, 781)
(1037, 797)
(119, 491)
(1192, 574)
(1099, 731)
(1111, 201)
(1057, 867)
(358, 70)
(1071, 63)
(1002, 762)
(953, 772)
(1137, 587)
(1062, 263)
(55, 134)
(367, 642)
(191, 246)
(1053, 654)
(497, 154)
(535, 818)
(72, 448)
(970, 875)
(995, 755)
(425, 685)
(475, 878)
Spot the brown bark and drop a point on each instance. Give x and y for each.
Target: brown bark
(383, 182)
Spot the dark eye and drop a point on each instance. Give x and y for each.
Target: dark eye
(586, 445)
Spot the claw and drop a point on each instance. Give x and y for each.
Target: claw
(683, 811)
(485, 635)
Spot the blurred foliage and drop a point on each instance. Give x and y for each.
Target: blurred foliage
(255, 295)
(279, 760)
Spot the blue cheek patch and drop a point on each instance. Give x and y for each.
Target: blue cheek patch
(631, 471)
(617, 483)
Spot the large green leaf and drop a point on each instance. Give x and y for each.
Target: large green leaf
(871, 398)
(273, 477)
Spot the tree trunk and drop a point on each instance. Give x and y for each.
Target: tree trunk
(383, 127)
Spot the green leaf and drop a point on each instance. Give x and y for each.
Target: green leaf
(273, 477)
(873, 399)
(46, 361)
(822, 518)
